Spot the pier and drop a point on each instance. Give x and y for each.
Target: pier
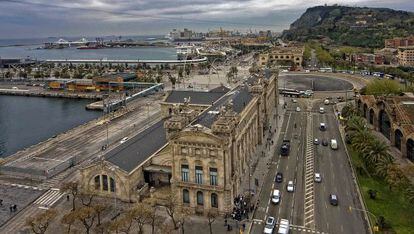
(39, 93)
(126, 61)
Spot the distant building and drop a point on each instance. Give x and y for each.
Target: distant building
(186, 35)
(369, 59)
(406, 56)
(279, 54)
(399, 41)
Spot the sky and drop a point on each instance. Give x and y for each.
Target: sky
(60, 18)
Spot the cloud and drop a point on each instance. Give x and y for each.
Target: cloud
(128, 16)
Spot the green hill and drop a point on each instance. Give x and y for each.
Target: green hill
(353, 26)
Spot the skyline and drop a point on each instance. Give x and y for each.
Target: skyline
(41, 18)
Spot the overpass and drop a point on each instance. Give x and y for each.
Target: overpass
(126, 61)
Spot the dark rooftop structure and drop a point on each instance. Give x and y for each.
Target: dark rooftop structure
(196, 97)
(240, 98)
(139, 148)
(124, 75)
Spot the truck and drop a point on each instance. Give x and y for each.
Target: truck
(285, 148)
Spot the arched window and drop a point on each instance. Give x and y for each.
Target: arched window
(112, 184)
(105, 182)
(186, 196)
(200, 200)
(214, 200)
(97, 180)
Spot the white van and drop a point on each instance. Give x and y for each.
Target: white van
(321, 110)
(334, 144)
(283, 226)
(276, 196)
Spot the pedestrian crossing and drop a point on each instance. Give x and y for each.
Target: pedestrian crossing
(39, 188)
(49, 198)
(293, 227)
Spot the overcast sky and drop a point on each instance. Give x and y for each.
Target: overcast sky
(44, 18)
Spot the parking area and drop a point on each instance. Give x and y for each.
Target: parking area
(14, 195)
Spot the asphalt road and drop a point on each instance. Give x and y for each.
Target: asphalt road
(336, 177)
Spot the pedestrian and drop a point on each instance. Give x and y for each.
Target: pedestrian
(225, 222)
(14, 207)
(1, 202)
(11, 208)
(67, 197)
(244, 227)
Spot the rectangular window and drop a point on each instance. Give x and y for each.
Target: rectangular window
(184, 173)
(213, 176)
(199, 174)
(105, 182)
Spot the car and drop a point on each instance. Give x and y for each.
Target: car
(297, 109)
(316, 141)
(294, 100)
(15, 87)
(123, 140)
(326, 102)
(334, 144)
(276, 196)
(325, 142)
(290, 187)
(279, 177)
(270, 225)
(318, 178)
(321, 110)
(333, 199)
(283, 226)
(322, 126)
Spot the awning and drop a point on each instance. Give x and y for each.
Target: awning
(159, 169)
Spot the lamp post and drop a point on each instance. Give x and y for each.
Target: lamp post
(375, 227)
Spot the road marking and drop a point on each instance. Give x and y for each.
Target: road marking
(309, 197)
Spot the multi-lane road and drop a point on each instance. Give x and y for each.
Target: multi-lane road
(308, 208)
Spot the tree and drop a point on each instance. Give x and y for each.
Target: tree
(56, 74)
(40, 223)
(180, 73)
(172, 79)
(383, 87)
(86, 216)
(375, 152)
(409, 193)
(172, 208)
(154, 219)
(211, 217)
(121, 224)
(72, 188)
(100, 208)
(395, 177)
(86, 198)
(140, 214)
(234, 71)
(69, 219)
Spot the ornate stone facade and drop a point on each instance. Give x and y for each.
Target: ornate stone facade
(393, 117)
(206, 153)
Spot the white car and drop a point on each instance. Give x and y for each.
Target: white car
(270, 225)
(123, 140)
(316, 141)
(294, 101)
(297, 109)
(290, 187)
(276, 196)
(318, 178)
(283, 226)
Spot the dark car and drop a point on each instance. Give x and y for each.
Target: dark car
(325, 142)
(333, 199)
(279, 177)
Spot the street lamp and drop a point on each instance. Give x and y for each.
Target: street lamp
(375, 227)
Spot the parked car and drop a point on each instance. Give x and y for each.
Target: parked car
(283, 226)
(322, 126)
(297, 109)
(316, 141)
(325, 142)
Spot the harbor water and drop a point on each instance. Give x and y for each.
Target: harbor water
(25, 121)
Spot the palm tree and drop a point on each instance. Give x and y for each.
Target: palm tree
(377, 151)
(361, 139)
(355, 123)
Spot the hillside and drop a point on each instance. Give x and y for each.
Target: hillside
(354, 26)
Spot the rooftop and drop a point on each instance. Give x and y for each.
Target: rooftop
(197, 97)
(139, 148)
